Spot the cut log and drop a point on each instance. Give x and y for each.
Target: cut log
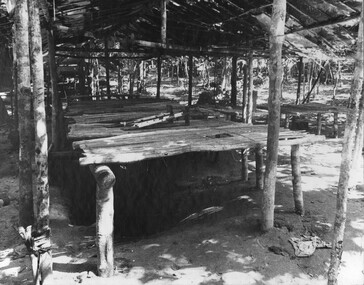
(105, 180)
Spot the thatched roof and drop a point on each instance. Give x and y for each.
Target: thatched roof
(205, 26)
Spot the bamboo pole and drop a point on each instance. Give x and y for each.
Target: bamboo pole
(233, 81)
(296, 179)
(276, 39)
(259, 168)
(347, 157)
(249, 112)
(190, 78)
(105, 180)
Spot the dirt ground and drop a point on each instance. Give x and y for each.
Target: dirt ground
(219, 244)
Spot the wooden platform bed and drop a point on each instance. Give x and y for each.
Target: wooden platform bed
(103, 136)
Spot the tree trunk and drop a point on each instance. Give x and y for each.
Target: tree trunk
(24, 109)
(41, 203)
(105, 180)
(346, 158)
(250, 91)
(276, 39)
(163, 21)
(296, 179)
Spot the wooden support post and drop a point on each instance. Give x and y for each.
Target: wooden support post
(159, 76)
(286, 121)
(25, 127)
(190, 77)
(259, 168)
(244, 165)
(56, 101)
(245, 94)
(233, 81)
(300, 69)
(250, 91)
(107, 69)
(336, 125)
(164, 21)
(276, 39)
(296, 179)
(319, 123)
(105, 180)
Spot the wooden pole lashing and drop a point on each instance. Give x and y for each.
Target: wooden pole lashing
(296, 179)
(105, 180)
(259, 168)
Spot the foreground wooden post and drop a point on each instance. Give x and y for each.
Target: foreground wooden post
(42, 269)
(276, 38)
(296, 179)
(347, 157)
(163, 21)
(21, 22)
(105, 180)
(244, 165)
(259, 166)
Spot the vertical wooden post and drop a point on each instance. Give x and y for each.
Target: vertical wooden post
(245, 92)
(56, 101)
(319, 123)
(336, 125)
(233, 80)
(159, 76)
(347, 156)
(244, 165)
(276, 39)
(107, 68)
(250, 90)
(21, 23)
(190, 78)
(41, 198)
(286, 121)
(300, 68)
(105, 180)
(164, 21)
(296, 179)
(259, 167)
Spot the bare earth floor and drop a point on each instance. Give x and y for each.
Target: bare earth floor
(218, 245)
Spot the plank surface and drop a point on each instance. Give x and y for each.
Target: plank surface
(309, 108)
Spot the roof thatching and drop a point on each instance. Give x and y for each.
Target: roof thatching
(327, 26)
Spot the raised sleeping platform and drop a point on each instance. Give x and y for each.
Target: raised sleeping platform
(121, 132)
